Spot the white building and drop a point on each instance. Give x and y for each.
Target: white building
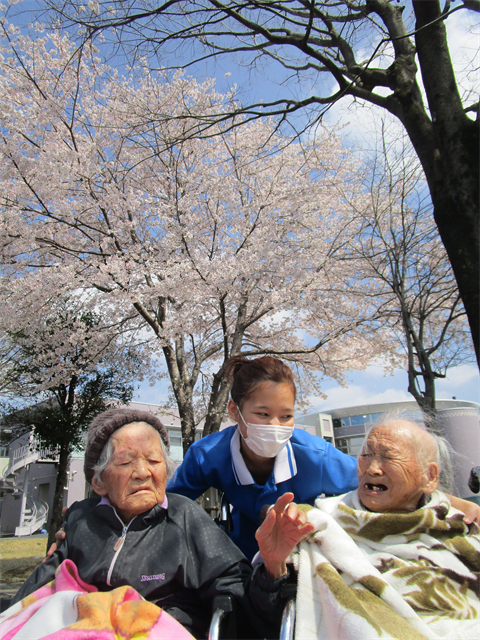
(27, 487)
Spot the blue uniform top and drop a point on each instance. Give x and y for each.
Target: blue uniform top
(308, 466)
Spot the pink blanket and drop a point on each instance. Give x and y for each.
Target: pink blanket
(69, 609)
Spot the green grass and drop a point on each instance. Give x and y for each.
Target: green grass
(19, 557)
(25, 548)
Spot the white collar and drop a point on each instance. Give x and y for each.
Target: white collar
(284, 467)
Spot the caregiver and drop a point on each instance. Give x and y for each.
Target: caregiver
(263, 456)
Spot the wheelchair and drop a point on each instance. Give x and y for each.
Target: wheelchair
(224, 621)
(224, 624)
(224, 519)
(287, 628)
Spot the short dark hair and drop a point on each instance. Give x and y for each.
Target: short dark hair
(246, 375)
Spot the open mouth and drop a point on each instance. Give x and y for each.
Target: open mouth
(375, 487)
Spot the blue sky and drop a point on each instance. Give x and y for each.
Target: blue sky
(364, 387)
(372, 386)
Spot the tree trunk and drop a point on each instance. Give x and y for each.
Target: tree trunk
(217, 403)
(453, 167)
(419, 365)
(57, 517)
(221, 387)
(425, 400)
(182, 389)
(457, 214)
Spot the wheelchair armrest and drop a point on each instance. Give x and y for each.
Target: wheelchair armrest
(224, 518)
(288, 621)
(288, 590)
(224, 602)
(223, 624)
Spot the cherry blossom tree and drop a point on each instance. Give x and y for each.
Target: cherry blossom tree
(9, 372)
(379, 52)
(70, 366)
(217, 246)
(398, 246)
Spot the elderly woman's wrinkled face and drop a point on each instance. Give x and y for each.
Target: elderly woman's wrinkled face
(135, 479)
(389, 476)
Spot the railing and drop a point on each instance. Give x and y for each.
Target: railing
(27, 454)
(34, 520)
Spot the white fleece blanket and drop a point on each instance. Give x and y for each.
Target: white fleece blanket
(365, 575)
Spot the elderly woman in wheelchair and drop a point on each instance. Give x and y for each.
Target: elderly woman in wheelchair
(392, 559)
(137, 561)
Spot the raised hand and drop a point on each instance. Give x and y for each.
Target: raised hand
(283, 528)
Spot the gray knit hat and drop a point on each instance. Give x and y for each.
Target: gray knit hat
(107, 423)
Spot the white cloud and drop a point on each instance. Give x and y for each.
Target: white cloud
(457, 379)
(361, 123)
(378, 371)
(158, 394)
(354, 395)
(463, 39)
(372, 386)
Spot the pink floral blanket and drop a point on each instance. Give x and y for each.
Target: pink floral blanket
(70, 609)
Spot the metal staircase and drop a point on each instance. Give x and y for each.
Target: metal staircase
(34, 517)
(34, 511)
(31, 452)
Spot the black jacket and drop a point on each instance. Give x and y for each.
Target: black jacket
(176, 557)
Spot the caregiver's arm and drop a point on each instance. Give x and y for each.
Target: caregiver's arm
(59, 537)
(338, 472)
(470, 509)
(188, 479)
(283, 528)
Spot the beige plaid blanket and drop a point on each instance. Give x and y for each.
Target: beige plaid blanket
(365, 575)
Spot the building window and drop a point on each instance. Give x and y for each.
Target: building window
(352, 446)
(342, 445)
(176, 449)
(326, 426)
(355, 421)
(355, 446)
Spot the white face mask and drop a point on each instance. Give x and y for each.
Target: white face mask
(266, 440)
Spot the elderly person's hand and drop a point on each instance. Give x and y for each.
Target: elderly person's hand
(470, 509)
(59, 538)
(472, 512)
(283, 528)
